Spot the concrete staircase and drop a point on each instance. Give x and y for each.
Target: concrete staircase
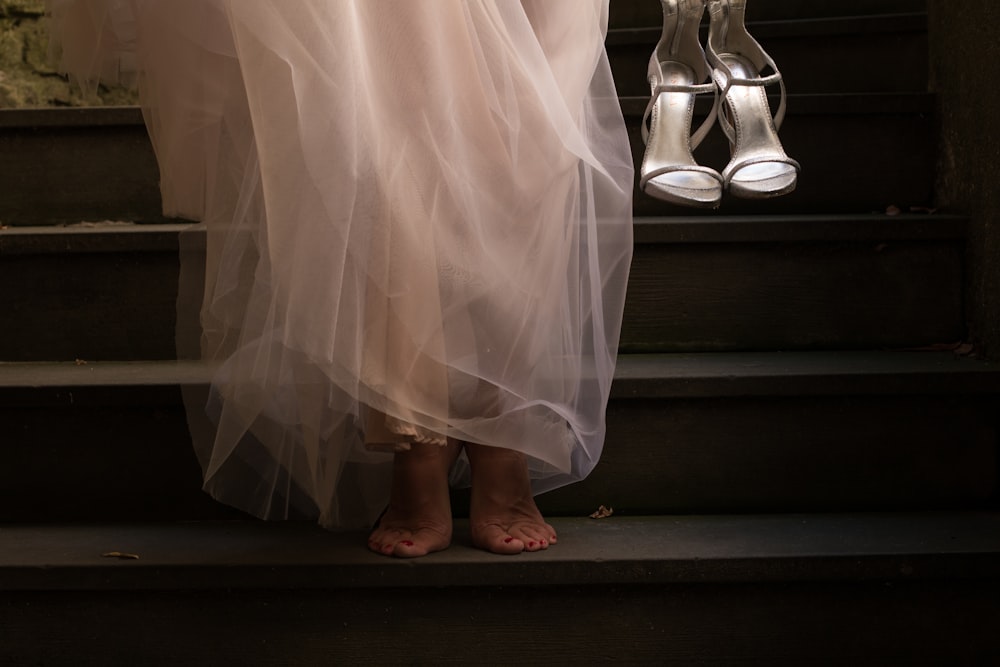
(802, 456)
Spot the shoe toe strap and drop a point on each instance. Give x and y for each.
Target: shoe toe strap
(674, 168)
(734, 167)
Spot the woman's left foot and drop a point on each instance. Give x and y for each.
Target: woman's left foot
(503, 516)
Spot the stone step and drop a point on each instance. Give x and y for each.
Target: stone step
(859, 154)
(794, 282)
(825, 55)
(64, 165)
(108, 291)
(859, 589)
(686, 433)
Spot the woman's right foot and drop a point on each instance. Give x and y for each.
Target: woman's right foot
(418, 520)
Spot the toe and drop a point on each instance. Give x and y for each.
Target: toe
(408, 549)
(534, 537)
(494, 538)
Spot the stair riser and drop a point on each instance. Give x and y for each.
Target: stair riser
(89, 306)
(124, 454)
(837, 63)
(701, 297)
(69, 174)
(851, 163)
(835, 623)
(643, 13)
(682, 297)
(794, 454)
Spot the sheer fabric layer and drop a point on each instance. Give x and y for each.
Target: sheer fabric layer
(416, 210)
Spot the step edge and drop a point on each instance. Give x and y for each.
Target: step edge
(802, 374)
(799, 104)
(111, 237)
(931, 226)
(657, 550)
(70, 117)
(90, 237)
(639, 376)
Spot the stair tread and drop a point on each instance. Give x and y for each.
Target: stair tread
(674, 375)
(92, 237)
(618, 550)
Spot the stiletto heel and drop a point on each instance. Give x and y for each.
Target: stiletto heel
(678, 72)
(759, 167)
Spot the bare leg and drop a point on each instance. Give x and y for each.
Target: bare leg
(503, 516)
(418, 520)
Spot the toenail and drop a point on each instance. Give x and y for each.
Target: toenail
(406, 543)
(508, 540)
(531, 544)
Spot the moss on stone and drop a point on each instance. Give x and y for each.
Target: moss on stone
(22, 7)
(27, 76)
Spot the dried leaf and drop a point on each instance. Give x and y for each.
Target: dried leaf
(81, 362)
(602, 512)
(120, 555)
(966, 350)
(961, 348)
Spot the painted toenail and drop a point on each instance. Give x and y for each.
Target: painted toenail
(531, 544)
(406, 543)
(508, 540)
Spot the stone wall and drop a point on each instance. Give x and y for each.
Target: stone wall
(28, 78)
(965, 66)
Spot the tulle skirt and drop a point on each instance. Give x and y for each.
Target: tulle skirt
(415, 224)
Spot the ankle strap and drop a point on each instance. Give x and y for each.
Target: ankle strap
(727, 27)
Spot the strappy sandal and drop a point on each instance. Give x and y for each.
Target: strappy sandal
(678, 72)
(759, 167)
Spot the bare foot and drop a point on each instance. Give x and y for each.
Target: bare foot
(503, 516)
(418, 520)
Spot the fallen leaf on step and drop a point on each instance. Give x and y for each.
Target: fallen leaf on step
(966, 350)
(602, 512)
(961, 349)
(120, 555)
(81, 362)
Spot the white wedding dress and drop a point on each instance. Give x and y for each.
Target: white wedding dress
(417, 224)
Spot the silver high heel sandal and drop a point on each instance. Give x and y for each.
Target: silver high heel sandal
(759, 167)
(678, 71)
